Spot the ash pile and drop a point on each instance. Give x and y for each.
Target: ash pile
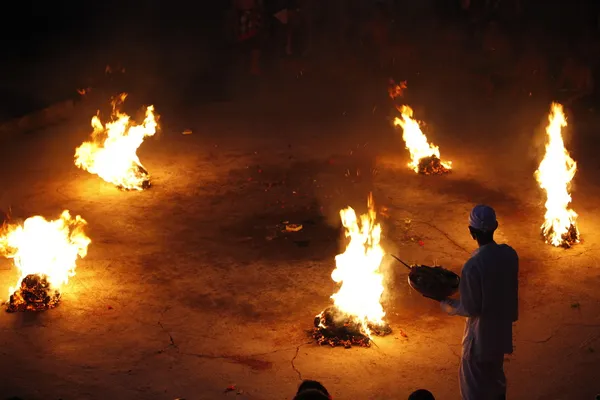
(432, 166)
(35, 294)
(335, 328)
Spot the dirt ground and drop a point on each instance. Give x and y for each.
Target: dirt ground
(190, 287)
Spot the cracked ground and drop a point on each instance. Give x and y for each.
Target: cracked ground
(191, 286)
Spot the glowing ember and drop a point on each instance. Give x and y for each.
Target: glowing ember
(357, 312)
(554, 175)
(396, 89)
(45, 253)
(112, 152)
(425, 157)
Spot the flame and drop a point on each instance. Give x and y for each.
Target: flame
(112, 152)
(396, 90)
(416, 141)
(554, 175)
(42, 247)
(357, 269)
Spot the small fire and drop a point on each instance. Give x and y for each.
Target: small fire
(45, 254)
(112, 152)
(396, 89)
(554, 175)
(357, 312)
(425, 157)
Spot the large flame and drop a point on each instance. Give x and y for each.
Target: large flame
(48, 248)
(416, 141)
(112, 152)
(554, 175)
(357, 269)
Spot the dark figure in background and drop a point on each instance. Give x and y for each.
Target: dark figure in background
(248, 17)
(497, 58)
(421, 394)
(312, 390)
(531, 69)
(276, 12)
(489, 300)
(377, 32)
(576, 80)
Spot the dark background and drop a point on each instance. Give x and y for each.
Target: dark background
(178, 51)
(49, 49)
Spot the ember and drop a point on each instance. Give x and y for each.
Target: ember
(554, 175)
(432, 166)
(335, 328)
(35, 294)
(357, 312)
(45, 253)
(567, 239)
(112, 152)
(396, 90)
(425, 157)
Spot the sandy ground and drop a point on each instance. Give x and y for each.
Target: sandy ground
(191, 287)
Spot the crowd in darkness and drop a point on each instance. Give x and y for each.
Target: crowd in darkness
(517, 47)
(491, 47)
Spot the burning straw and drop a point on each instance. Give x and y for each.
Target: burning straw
(45, 254)
(554, 175)
(357, 313)
(112, 151)
(425, 157)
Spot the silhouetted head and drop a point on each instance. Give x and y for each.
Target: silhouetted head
(309, 390)
(421, 394)
(311, 394)
(482, 224)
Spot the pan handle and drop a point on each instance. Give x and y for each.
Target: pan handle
(401, 262)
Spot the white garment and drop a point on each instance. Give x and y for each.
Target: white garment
(489, 299)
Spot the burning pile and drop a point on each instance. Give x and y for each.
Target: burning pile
(554, 175)
(112, 152)
(357, 312)
(45, 253)
(425, 157)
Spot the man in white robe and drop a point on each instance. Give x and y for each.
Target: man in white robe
(489, 301)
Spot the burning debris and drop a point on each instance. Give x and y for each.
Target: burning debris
(45, 254)
(432, 166)
(554, 175)
(425, 157)
(112, 152)
(335, 328)
(357, 313)
(396, 89)
(35, 294)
